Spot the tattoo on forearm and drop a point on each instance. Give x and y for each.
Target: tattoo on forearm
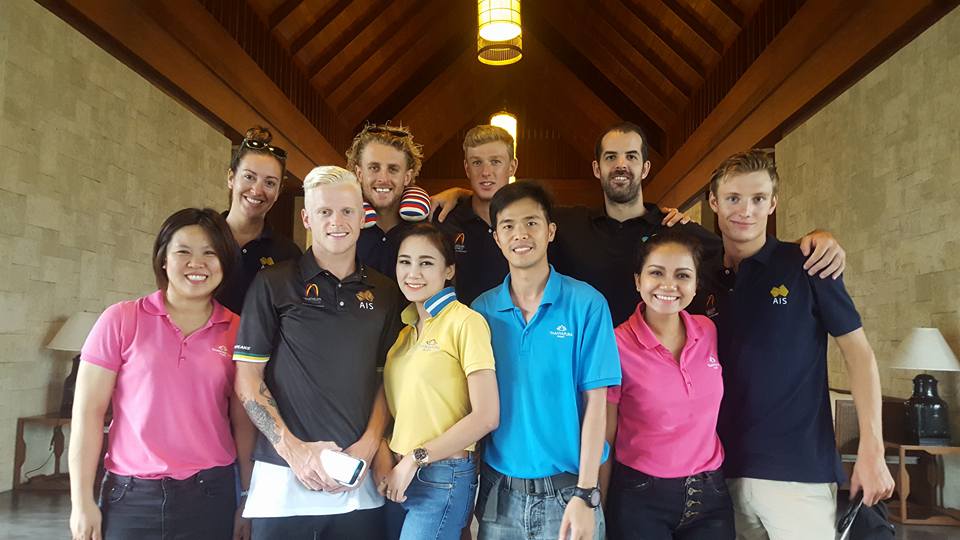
(262, 418)
(265, 392)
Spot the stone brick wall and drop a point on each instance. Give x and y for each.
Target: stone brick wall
(92, 159)
(880, 167)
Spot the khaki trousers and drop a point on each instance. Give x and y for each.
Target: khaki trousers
(777, 510)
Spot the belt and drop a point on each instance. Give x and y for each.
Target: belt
(539, 486)
(221, 471)
(465, 454)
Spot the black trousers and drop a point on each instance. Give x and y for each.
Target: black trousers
(201, 507)
(640, 506)
(359, 525)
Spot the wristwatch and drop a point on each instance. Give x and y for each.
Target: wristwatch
(421, 456)
(590, 495)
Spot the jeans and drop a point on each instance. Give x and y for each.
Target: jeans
(359, 524)
(201, 507)
(438, 502)
(514, 509)
(641, 506)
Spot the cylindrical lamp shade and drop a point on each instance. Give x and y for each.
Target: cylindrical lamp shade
(499, 20)
(499, 53)
(74, 332)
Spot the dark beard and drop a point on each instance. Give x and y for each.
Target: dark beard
(624, 196)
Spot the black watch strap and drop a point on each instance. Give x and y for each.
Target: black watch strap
(590, 495)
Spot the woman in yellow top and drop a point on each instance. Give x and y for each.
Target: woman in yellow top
(441, 389)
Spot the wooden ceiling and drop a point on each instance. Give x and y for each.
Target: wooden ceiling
(704, 78)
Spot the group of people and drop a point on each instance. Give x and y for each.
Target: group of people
(558, 372)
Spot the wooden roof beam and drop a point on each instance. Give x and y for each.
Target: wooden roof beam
(731, 12)
(304, 37)
(692, 22)
(621, 9)
(278, 15)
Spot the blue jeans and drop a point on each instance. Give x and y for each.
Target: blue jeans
(640, 506)
(438, 502)
(535, 512)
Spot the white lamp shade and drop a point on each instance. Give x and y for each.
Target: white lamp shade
(925, 350)
(74, 332)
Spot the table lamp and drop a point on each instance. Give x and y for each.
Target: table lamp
(926, 414)
(70, 338)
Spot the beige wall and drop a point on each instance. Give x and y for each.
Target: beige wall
(92, 159)
(880, 167)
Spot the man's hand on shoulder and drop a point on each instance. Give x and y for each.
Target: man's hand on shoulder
(824, 254)
(674, 217)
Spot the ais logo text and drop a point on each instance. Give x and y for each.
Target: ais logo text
(779, 294)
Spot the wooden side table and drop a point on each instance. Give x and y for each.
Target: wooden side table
(934, 514)
(58, 481)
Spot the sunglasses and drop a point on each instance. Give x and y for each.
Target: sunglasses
(396, 132)
(252, 144)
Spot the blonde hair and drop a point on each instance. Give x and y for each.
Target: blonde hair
(328, 175)
(397, 137)
(484, 134)
(754, 160)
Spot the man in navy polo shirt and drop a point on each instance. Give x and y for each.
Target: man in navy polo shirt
(556, 355)
(773, 319)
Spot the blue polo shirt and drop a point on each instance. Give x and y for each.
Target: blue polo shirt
(543, 368)
(772, 322)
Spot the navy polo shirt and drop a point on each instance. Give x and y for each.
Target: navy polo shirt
(480, 263)
(772, 323)
(593, 247)
(543, 368)
(263, 251)
(378, 249)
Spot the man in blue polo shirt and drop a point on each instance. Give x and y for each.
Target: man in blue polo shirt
(772, 320)
(556, 355)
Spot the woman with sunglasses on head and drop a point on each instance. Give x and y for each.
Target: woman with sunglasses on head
(164, 363)
(255, 177)
(442, 392)
(666, 482)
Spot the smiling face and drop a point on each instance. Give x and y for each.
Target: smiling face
(621, 168)
(489, 168)
(743, 203)
(667, 282)
(255, 186)
(383, 173)
(421, 269)
(523, 233)
(191, 263)
(334, 215)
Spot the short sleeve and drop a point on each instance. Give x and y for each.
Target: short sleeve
(391, 329)
(599, 359)
(835, 308)
(104, 345)
(259, 324)
(473, 342)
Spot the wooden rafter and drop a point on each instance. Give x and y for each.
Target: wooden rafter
(278, 15)
(731, 12)
(304, 37)
(621, 8)
(691, 21)
(335, 47)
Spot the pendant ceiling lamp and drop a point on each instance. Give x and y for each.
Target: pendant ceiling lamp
(508, 122)
(499, 33)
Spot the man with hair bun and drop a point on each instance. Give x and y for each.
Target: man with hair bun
(313, 332)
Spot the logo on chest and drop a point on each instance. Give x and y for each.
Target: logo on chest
(222, 351)
(311, 295)
(430, 345)
(365, 298)
(712, 362)
(779, 295)
(561, 332)
(459, 244)
(265, 262)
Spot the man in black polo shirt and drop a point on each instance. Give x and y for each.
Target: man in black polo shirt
(598, 245)
(385, 160)
(773, 319)
(489, 163)
(312, 334)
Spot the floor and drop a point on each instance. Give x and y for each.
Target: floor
(44, 516)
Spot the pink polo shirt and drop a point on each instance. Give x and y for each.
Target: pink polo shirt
(667, 420)
(172, 396)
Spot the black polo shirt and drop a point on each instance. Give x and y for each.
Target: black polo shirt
(772, 321)
(593, 247)
(322, 340)
(266, 250)
(480, 263)
(378, 249)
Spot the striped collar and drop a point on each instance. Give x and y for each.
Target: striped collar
(435, 304)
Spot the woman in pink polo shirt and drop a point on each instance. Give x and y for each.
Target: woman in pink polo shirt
(163, 362)
(666, 481)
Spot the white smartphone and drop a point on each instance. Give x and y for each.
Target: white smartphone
(343, 468)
